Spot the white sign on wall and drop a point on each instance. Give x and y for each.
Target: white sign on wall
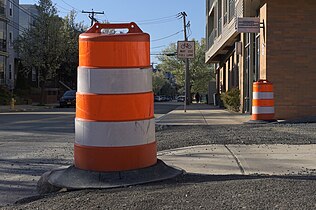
(186, 49)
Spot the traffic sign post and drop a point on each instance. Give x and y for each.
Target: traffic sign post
(186, 49)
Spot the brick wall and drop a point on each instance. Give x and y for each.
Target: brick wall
(291, 56)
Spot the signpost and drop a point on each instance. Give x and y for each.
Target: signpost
(186, 50)
(248, 25)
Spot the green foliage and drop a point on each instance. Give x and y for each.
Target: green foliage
(158, 81)
(50, 47)
(67, 71)
(200, 73)
(231, 99)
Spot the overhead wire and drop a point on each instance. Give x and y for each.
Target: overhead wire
(160, 46)
(166, 37)
(156, 19)
(71, 6)
(22, 9)
(60, 7)
(158, 22)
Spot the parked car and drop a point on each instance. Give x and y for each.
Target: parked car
(68, 99)
(180, 98)
(158, 98)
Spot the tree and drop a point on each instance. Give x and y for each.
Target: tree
(67, 71)
(158, 81)
(40, 47)
(200, 72)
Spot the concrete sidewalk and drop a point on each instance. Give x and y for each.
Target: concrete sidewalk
(234, 159)
(202, 114)
(244, 159)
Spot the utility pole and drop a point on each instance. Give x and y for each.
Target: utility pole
(187, 68)
(92, 14)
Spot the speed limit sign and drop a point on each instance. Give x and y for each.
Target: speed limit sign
(186, 49)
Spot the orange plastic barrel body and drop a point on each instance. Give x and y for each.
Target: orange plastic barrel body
(115, 127)
(263, 101)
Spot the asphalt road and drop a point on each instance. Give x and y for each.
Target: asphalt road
(32, 143)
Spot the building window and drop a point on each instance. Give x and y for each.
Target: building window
(2, 65)
(3, 34)
(220, 19)
(211, 31)
(2, 7)
(10, 9)
(225, 11)
(231, 9)
(11, 39)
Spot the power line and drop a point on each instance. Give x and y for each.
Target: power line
(166, 36)
(158, 22)
(60, 7)
(71, 6)
(11, 23)
(22, 9)
(160, 46)
(167, 17)
(164, 53)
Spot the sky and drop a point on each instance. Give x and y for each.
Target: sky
(155, 17)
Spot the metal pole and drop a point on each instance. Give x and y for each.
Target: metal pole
(187, 70)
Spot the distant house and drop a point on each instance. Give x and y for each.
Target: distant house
(9, 31)
(283, 51)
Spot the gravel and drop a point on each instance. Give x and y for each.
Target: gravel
(170, 137)
(192, 191)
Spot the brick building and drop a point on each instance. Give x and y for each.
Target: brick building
(283, 52)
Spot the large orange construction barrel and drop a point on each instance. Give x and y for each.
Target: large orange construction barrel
(263, 101)
(114, 126)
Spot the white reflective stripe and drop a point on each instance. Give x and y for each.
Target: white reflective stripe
(114, 81)
(262, 95)
(114, 134)
(262, 110)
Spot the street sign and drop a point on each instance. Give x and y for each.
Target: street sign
(186, 49)
(248, 25)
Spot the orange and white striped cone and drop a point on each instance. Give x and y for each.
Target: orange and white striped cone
(114, 128)
(262, 102)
